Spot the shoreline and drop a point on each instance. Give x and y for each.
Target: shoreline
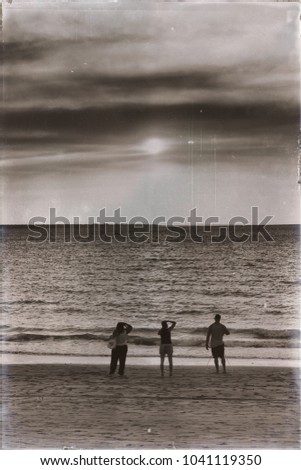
(32, 359)
(80, 407)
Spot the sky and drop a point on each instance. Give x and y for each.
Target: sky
(155, 109)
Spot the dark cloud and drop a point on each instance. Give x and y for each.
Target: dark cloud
(74, 89)
(93, 123)
(64, 141)
(15, 51)
(76, 85)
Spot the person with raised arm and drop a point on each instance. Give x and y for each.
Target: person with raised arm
(166, 347)
(120, 347)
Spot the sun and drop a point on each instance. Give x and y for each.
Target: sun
(154, 145)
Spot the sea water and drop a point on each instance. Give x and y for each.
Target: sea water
(63, 299)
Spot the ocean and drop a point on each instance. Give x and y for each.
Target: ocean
(63, 299)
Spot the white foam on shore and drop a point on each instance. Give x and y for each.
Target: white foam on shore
(17, 359)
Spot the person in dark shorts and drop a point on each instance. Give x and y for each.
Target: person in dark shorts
(166, 347)
(119, 352)
(216, 332)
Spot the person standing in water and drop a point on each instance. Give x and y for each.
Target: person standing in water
(166, 347)
(216, 332)
(119, 352)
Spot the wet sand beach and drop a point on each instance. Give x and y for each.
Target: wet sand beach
(56, 406)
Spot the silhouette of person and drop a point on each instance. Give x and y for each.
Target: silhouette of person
(216, 331)
(119, 352)
(166, 347)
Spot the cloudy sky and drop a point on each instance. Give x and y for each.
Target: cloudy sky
(155, 110)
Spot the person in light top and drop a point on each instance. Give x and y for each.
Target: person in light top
(216, 332)
(119, 352)
(166, 347)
